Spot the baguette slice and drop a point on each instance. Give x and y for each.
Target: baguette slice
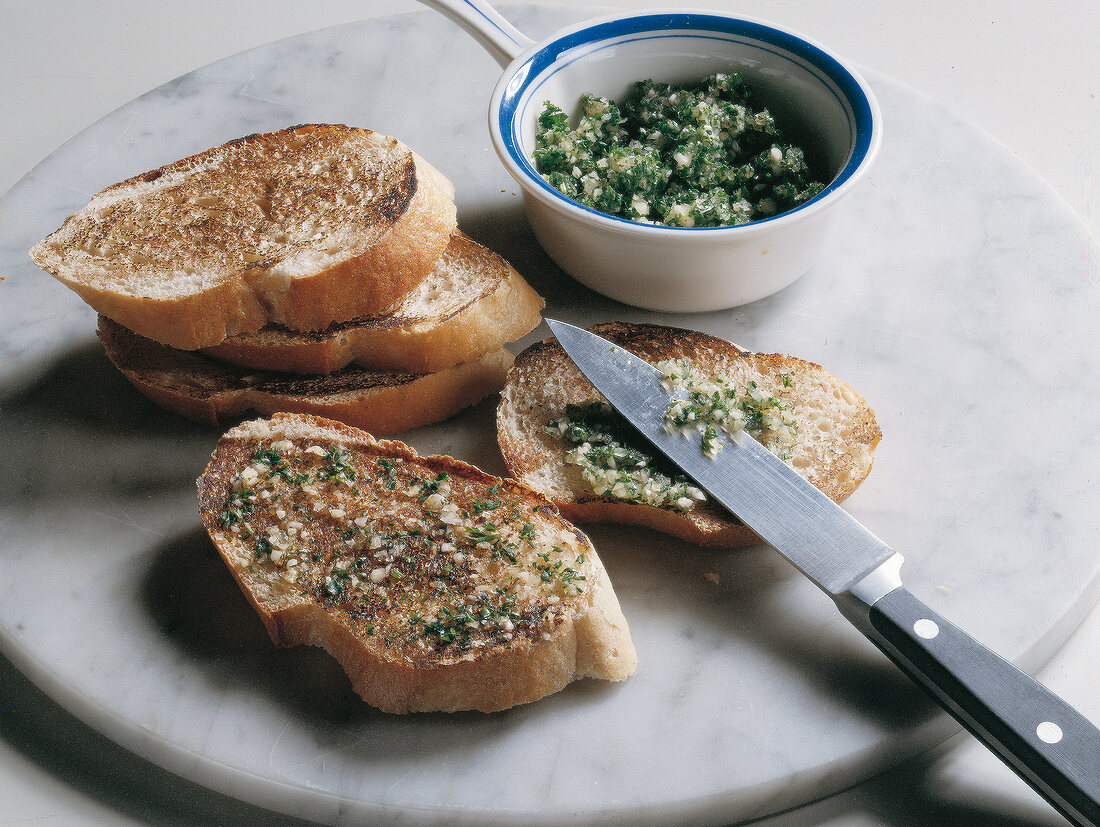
(436, 586)
(472, 303)
(303, 227)
(213, 393)
(833, 446)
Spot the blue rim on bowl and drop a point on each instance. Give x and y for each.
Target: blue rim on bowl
(528, 73)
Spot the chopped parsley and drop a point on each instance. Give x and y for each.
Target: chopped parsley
(337, 467)
(460, 622)
(702, 155)
(550, 570)
(262, 548)
(337, 582)
(380, 542)
(605, 447)
(240, 505)
(605, 451)
(389, 470)
(278, 465)
(434, 486)
(715, 404)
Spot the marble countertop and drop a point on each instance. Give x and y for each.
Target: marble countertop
(70, 64)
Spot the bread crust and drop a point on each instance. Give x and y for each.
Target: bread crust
(562, 637)
(834, 447)
(206, 391)
(304, 226)
(472, 302)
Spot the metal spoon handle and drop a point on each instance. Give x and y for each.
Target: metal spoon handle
(497, 36)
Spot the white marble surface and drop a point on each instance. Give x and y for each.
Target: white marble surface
(767, 706)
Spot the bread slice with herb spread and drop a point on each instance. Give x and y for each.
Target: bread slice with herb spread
(212, 392)
(559, 436)
(301, 227)
(472, 303)
(436, 586)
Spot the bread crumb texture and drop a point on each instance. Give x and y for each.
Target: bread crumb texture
(472, 302)
(304, 227)
(435, 585)
(280, 205)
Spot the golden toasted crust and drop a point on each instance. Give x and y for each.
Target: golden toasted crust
(210, 392)
(303, 227)
(472, 302)
(834, 445)
(390, 572)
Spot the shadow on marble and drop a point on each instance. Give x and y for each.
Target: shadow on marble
(506, 232)
(59, 424)
(114, 779)
(80, 387)
(197, 607)
(736, 596)
(916, 794)
(86, 762)
(905, 804)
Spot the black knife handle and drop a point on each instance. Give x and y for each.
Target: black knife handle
(1047, 742)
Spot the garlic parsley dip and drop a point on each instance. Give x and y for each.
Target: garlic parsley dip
(605, 447)
(702, 155)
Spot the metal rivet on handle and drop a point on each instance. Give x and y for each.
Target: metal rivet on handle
(1049, 731)
(926, 628)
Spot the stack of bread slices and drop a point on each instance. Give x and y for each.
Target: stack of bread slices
(316, 269)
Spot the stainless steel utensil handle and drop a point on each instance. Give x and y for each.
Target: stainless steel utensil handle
(496, 35)
(1047, 742)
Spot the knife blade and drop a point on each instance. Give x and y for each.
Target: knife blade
(1048, 743)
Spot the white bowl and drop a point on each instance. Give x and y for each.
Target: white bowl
(820, 103)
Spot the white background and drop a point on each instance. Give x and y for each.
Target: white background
(1026, 73)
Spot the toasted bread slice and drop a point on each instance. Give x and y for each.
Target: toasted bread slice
(834, 430)
(472, 303)
(436, 586)
(303, 227)
(210, 392)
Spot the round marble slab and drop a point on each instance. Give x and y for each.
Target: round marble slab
(959, 296)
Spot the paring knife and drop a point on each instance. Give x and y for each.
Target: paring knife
(1047, 742)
